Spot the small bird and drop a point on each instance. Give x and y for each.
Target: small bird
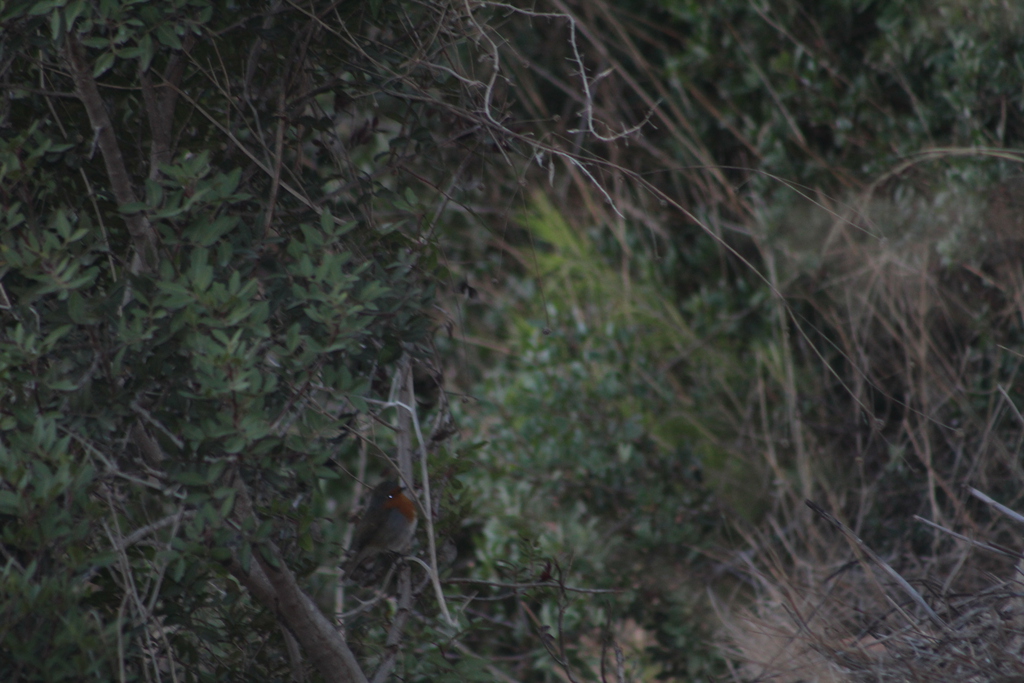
(387, 525)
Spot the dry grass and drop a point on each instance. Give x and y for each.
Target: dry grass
(889, 384)
(916, 362)
(816, 620)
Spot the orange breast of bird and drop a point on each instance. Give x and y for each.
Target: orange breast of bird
(397, 500)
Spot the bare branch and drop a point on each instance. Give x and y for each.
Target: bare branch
(273, 583)
(860, 545)
(160, 108)
(143, 236)
(534, 584)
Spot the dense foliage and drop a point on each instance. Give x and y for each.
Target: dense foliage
(219, 259)
(684, 263)
(802, 286)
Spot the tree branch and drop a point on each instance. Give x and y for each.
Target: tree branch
(393, 645)
(143, 236)
(160, 107)
(274, 585)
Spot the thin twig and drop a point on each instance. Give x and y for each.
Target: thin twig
(893, 574)
(424, 506)
(534, 584)
(1015, 516)
(156, 423)
(977, 544)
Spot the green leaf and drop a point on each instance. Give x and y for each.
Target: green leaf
(358, 403)
(103, 64)
(57, 27)
(165, 33)
(215, 471)
(229, 181)
(178, 569)
(9, 502)
(61, 223)
(214, 230)
(268, 556)
(202, 276)
(176, 295)
(56, 335)
(71, 13)
(145, 52)
(133, 207)
(229, 504)
(42, 7)
(234, 444)
(190, 478)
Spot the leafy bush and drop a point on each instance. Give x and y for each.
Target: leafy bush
(220, 231)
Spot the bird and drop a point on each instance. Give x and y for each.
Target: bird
(387, 525)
